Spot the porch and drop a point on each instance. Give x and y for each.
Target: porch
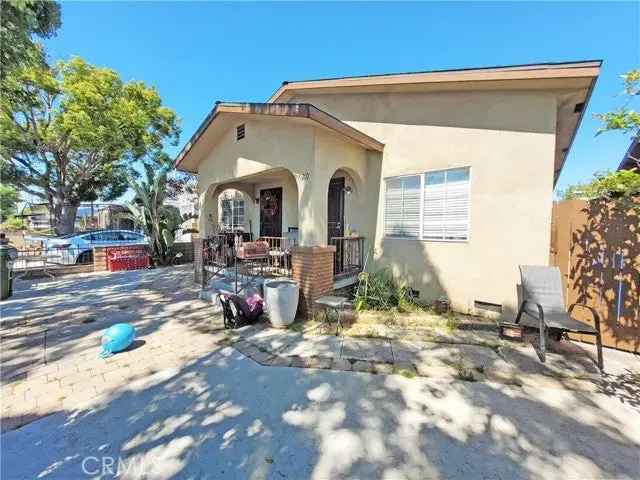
(299, 183)
(256, 224)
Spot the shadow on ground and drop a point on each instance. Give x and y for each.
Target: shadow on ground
(223, 416)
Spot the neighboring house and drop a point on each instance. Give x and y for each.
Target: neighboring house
(88, 217)
(448, 175)
(631, 157)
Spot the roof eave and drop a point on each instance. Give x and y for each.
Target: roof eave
(295, 110)
(589, 68)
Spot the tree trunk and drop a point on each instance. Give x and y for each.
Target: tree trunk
(65, 223)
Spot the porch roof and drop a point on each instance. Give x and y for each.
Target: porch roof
(305, 111)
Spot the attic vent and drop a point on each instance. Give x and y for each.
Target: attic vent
(239, 132)
(579, 107)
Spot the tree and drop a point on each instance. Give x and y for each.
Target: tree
(21, 20)
(159, 222)
(8, 200)
(623, 184)
(72, 132)
(624, 119)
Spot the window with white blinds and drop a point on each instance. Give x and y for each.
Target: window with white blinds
(431, 206)
(402, 207)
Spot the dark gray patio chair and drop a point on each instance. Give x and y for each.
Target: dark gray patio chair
(543, 307)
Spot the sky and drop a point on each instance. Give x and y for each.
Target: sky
(195, 53)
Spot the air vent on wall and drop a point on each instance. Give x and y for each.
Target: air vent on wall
(488, 306)
(240, 132)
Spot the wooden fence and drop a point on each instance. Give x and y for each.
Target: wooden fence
(596, 245)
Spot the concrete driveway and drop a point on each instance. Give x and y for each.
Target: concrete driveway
(184, 405)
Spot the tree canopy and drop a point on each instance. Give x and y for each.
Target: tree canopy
(70, 133)
(624, 118)
(21, 21)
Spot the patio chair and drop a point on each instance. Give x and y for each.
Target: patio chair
(543, 307)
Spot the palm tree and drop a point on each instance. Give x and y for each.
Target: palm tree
(159, 222)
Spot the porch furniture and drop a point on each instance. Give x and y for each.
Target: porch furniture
(543, 307)
(281, 301)
(253, 250)
(332, 303)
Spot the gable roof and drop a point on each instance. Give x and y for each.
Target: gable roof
(582, 69)
(289, 110)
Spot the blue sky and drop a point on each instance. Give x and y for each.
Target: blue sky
(195, 53)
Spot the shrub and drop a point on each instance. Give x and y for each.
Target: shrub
(381, 291)
(13, 223)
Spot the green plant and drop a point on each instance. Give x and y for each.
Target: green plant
(381, 291)
(13, 223)
(158, 221)
(606, 185)
(450, 321)
(9, 198)
(624, 119)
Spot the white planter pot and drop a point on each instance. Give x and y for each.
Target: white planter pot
(281, 300)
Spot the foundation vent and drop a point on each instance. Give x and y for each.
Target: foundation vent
(487, 306)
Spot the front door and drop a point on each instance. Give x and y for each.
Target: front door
(271, 212)
(336, 208)
(335, 226)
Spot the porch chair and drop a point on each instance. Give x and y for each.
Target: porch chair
(543, 307)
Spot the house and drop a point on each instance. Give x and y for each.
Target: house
(631, 159)
(89, 216)
(447, 176)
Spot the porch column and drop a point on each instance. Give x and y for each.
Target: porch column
(312, 210)
(312, 268)
(209, 216)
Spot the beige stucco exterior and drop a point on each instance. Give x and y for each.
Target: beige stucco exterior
(508, 141)
(512, 136)
(286, 153)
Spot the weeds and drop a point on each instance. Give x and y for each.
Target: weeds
(381, 291)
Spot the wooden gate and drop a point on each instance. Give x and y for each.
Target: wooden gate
(596, 245)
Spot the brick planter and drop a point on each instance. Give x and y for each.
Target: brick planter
(313, 270)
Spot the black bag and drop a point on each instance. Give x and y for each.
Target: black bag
(236, 311)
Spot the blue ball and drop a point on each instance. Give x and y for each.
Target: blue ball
(117, 338)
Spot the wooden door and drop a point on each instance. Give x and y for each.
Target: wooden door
(271, 212)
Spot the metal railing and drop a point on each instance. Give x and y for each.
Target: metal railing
(220, 251)
(278, 261)
(47, 260)
(349, 257)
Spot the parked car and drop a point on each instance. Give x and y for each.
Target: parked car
(77, 248)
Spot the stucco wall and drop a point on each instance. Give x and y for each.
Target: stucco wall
(310, 155)
(508, 140)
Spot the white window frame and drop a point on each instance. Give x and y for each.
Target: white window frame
(234, 226)
(423, 175)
